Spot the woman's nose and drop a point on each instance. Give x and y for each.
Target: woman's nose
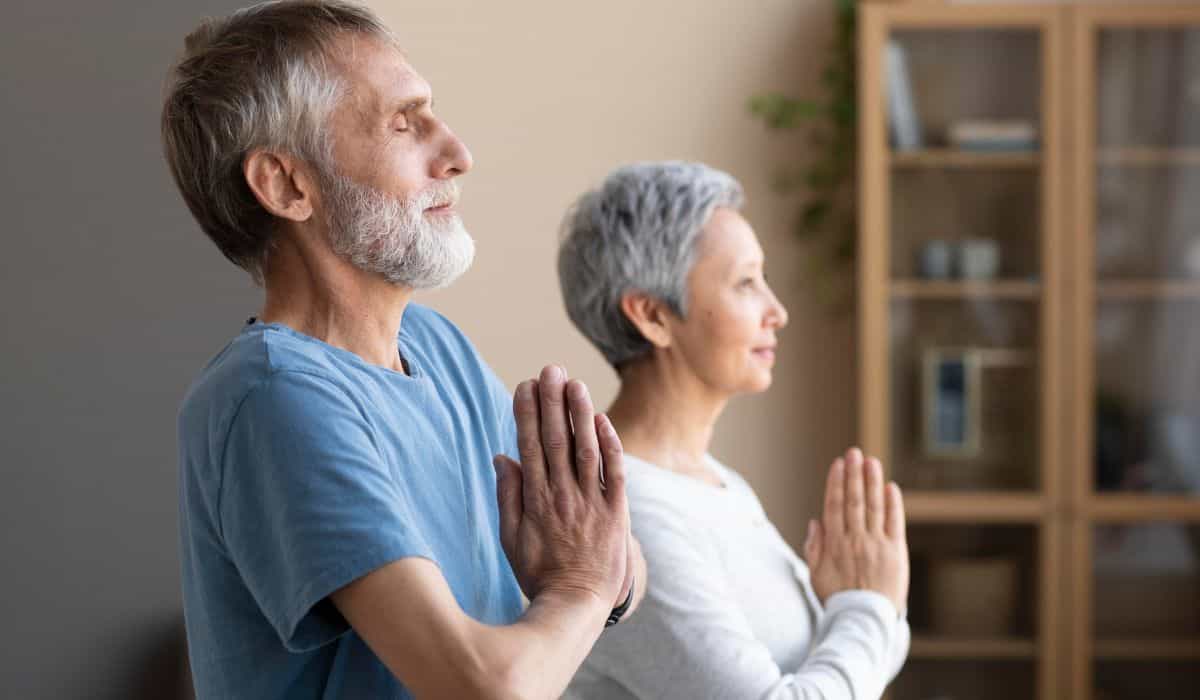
(777, 315)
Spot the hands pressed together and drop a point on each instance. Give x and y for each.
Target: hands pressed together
(860, 541)
(564, 517)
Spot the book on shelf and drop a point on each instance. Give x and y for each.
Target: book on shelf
(904, 123)
(993, 136)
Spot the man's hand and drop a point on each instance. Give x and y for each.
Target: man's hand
(563, 531)
(635, 575)
(860, 541)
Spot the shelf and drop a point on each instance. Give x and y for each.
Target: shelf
(1148, 157)
(974, 507)
(1142, 507)
(955, 158)
(966, 648)
(1017, 290)
(1147, 289)
(1145, 649)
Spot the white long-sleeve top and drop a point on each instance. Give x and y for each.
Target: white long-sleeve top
(730, 611)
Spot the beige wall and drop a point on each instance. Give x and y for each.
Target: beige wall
(550, 96)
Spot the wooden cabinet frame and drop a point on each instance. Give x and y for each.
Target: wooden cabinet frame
(1065, 509)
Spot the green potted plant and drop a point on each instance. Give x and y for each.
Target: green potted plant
(827, 217)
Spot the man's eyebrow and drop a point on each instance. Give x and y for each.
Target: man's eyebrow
(407, 105)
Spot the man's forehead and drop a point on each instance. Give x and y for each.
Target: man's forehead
(380, 76)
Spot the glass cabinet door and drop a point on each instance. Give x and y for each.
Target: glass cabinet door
(1138, 479)
(1145, 259)
(966, 232)
(960, 320)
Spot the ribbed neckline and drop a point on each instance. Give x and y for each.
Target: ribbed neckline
(416, 372)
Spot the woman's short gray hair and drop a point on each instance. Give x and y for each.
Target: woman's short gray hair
(258, 78)
(638, 231)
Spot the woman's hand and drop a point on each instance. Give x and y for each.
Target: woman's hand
(860, 542)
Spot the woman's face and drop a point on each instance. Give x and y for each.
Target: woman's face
(728, 338)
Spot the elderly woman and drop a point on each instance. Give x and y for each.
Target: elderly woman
(664, 276)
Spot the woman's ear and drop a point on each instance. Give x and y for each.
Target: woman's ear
(650, 315)
(280, 184)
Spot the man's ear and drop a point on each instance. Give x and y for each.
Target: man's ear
(280, 184)
(648, 314)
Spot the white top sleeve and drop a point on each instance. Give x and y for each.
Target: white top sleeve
(690, 639)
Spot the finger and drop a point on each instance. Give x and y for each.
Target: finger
(508, 499)
(613, 472)
(529, 444)
(855, 508)
(895, 526)
(812, 545)
(556, 433)
(873, 488)
(587, 445)
(834, 518)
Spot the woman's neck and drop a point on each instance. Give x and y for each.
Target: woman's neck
(666, 416)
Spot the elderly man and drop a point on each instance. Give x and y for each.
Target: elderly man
(340, 536)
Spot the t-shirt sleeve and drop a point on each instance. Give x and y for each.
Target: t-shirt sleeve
(308, 504)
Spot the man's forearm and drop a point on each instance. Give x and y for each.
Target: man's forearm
(539, 654)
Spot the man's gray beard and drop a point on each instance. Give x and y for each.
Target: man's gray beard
(391, 236)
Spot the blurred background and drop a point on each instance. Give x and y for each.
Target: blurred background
(1017, 343)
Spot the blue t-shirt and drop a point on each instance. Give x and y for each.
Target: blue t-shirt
(303, 468)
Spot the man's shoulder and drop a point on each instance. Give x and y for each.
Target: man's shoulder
(264, 359)
(430, 329)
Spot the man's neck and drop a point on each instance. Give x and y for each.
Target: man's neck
(329, 299)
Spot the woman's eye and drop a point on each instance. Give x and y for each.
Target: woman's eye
(745, 282)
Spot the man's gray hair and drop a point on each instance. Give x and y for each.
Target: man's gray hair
(637, 232)
(258, 78)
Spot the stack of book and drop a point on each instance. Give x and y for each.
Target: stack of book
(969, 135)
(993, 136)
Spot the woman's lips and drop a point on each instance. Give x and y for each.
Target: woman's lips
(765, 353)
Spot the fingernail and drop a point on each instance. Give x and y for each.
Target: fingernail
(525, 390)
(576, 390)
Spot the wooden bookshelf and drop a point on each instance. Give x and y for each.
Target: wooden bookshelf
(1148, 157)
(953, 158)
(1048, 211)
(1014, 290)
(1142, 507)
(965, 648)
(985, 507)
(1147, 649)
(1115, 290)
